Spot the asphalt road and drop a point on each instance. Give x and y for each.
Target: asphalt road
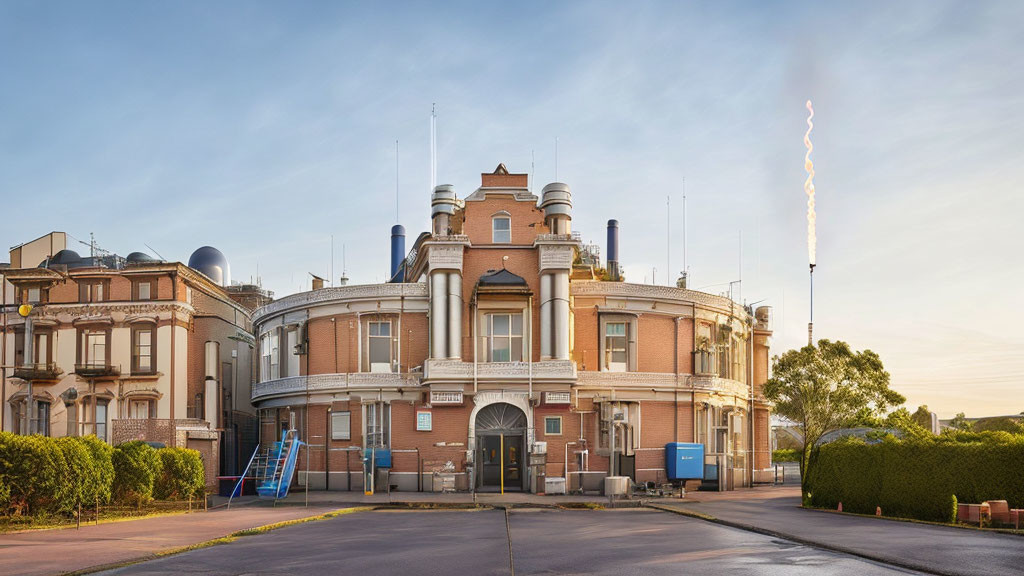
(621, 542)
(940, 549)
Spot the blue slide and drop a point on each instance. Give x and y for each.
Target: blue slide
(284, 454)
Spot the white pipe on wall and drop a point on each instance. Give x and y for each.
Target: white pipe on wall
(454, 315)
(438, 315)
(561, 309)
(545, 316)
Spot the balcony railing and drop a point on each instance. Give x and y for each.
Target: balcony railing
(44, 371)
(97, 370)
(332, 382)
(449, 369)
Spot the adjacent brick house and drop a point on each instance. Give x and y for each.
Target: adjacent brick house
(127, 349)
(498, 356)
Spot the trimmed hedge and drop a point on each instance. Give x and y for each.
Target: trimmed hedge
(786, 455)
(41, 475)
(136, 468)
(918, 478)
(182, 474)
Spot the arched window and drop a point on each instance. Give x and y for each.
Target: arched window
(501, 228)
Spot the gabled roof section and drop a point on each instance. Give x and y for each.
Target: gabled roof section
(500, 278)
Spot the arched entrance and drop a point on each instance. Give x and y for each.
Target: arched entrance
(501, 447)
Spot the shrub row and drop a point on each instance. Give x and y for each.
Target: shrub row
(54, 475)
(918, 478)
(786, 455)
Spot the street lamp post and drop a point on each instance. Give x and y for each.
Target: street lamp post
(25, 311)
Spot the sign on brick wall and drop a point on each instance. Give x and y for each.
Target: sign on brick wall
(556, 397)
(424, 421)
(442, 397)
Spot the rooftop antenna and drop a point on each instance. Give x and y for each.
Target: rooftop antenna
(532, 161)
(344, 279)
(154, 251)
(331, 275)
(686, 270)
(396, 181)
(556, 158)
(668, 240)
(433, 146)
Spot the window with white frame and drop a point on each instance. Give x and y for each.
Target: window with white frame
(379, 346)
(552, 425)
(41, 351)
(270, 356)
(341, 425)
(501, 229)
(145, 290)
(139, 409)
(378, 425)
(504, 337)
(92, 291)
(94, 348)
(142, 353)
(616, 354)
(34, 295)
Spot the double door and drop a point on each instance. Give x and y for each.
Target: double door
(501, 461)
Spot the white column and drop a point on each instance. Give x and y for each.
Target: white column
(561, 314)
(438, 315)
(545, 316)
(454, 315)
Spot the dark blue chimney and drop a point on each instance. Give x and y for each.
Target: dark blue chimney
(613, 250)
(397, 250)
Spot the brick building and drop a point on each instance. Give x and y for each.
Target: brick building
(127, 349)
(501, 353)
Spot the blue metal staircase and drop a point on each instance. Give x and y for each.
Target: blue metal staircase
(273, 470)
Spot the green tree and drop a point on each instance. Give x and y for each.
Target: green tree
(901, 419)
(825, 387)
(998, 424)
(960, 422)
(923, 417)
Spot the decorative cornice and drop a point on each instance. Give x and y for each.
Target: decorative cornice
(654, 292)
(331, 383)
(556, 256)
(446, 369)
(689, 382)
(339, 294)
(444, 256)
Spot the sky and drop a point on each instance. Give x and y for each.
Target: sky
(264, 129)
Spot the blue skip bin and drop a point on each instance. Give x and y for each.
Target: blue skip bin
(684, 461)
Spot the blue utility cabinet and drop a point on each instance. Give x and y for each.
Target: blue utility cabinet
(684, 461)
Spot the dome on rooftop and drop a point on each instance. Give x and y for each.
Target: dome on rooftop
(68, 258)
(136, 257)
(212, 263)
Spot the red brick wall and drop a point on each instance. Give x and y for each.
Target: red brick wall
(655, 337)
(477, 224)
(504, 180)
(323, 357)
(585, 349)
(475, 263)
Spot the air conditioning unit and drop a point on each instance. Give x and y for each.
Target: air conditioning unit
(540, 447)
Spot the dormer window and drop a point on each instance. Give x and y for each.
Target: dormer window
(501, 228)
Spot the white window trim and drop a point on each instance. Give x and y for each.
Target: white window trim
(347, 435)
(501, 216)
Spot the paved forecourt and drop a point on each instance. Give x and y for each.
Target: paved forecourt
(935, 548)
(628, 541)
(67, 550)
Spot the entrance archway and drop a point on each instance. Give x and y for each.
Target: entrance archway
(500, 430)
